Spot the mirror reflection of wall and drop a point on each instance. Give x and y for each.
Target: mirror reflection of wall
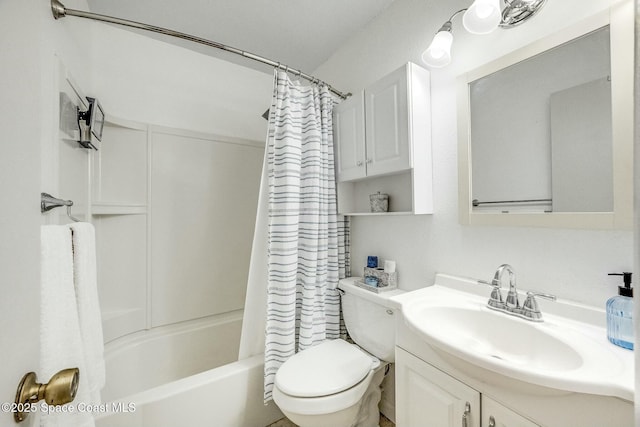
(541, 130)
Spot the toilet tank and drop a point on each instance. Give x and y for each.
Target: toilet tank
(370, 318)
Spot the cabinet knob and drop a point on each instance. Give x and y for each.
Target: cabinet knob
(492, 421)
(369, 161)
(359, 163)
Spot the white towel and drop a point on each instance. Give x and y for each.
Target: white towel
(86, 287)
(60, 339)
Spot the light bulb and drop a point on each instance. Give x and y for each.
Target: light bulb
(438, 54)
(482, 17)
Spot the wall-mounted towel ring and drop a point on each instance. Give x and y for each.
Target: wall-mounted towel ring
(48, 202)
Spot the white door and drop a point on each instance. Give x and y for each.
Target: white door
(426, 396)
(349, 137)
(20, 143)
(387, 124)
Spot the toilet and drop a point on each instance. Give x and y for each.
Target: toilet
(336, 383)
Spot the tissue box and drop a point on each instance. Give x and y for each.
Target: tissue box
(384, 279)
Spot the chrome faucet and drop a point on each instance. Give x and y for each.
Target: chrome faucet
(529, 310)
(511, 303)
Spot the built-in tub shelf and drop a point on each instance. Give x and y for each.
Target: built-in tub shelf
(106, 208)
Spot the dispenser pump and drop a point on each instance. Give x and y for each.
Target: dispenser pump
(626, 290)
(620, 329)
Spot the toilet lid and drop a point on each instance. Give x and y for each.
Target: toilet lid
(327, 368)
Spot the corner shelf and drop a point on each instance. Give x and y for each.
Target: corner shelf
(107, 208)
(407, 195)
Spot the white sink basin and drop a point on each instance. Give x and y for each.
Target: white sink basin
(561, 352)
(481, 331)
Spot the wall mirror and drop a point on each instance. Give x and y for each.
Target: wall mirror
(546, 132)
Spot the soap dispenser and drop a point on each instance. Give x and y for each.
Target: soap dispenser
(620, 314)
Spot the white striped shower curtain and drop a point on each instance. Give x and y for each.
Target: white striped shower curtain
(306, 238)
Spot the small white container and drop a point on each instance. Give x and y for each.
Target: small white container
(389, 266)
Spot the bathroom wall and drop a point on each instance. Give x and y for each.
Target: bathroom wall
(142, 79)
(569, 263)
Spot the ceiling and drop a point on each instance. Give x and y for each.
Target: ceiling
(299, 33)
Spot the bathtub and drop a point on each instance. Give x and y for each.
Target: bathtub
(184, 374)
(149, 358)
(228, 396)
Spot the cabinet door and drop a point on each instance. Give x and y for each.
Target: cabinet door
(426, 396)
(496, 415)
(348, 138)
(387, 125)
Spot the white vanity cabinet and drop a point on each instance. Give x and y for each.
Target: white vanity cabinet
(496, 415)
(382, 140)
(426, 396)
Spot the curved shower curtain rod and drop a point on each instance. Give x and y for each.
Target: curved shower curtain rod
(60, 11)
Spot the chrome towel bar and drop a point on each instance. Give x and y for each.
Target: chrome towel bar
(48, 202)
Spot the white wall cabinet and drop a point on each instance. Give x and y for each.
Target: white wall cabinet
(426, 396)
(349, 139)
(383, 143)
(388, 138)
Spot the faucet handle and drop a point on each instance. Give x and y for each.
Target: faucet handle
(533, 294)
(530, 307)
(495, 299)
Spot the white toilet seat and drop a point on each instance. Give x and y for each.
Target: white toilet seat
(327, 368)
(327, 378)
(323, 404)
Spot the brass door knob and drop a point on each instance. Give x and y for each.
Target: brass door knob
(61, 388)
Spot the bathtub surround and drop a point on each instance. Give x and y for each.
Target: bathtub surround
(211, 136)
(303, 305)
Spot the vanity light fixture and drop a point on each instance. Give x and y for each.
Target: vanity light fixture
(438, 54)
(482, 17)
